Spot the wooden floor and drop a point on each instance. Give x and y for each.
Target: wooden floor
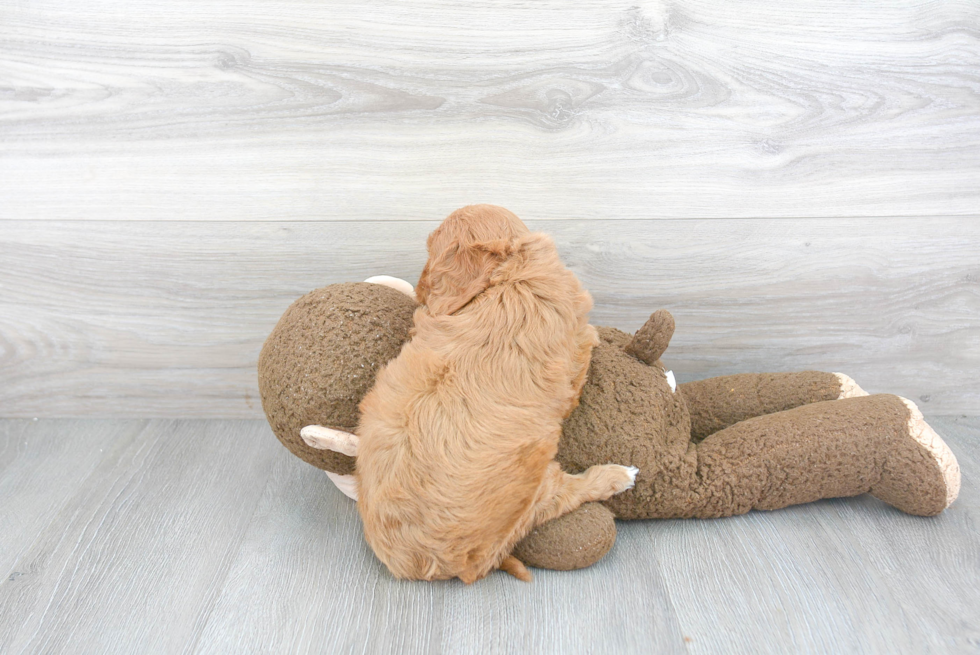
(205, 536)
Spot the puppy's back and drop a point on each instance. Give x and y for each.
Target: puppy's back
(459, 430)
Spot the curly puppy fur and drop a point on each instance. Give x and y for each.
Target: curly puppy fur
(459, 434)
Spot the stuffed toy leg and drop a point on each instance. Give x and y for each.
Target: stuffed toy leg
(867, 444)
(717, 403)
(727, 445)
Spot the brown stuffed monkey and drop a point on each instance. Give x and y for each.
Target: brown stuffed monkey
(712, 448)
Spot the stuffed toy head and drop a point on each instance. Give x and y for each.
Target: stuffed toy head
(321, 360)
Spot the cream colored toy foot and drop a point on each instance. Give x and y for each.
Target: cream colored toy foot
(849, 388)
(923, 477)
(923, 433)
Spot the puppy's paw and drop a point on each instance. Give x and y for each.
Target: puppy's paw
(612, 479)
(631, 472)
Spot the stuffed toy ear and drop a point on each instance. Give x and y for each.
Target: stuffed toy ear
(452, 278)
(651, 340)
(323, 438)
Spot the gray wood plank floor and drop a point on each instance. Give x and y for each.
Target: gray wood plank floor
(193, 536)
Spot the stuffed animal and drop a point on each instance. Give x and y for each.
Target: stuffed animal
(712, 448)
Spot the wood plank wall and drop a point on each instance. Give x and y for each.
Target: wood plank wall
(798, 183)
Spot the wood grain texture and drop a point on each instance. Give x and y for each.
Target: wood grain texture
(305, 577)
(134, 560)
(289, 110)
(149, 319)
(42, 468)
(848, 575)
(290, 589)
(209, 537)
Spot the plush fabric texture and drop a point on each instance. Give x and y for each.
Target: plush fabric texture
(717, 403)
(819, 448)
(827, 449)
(321, 360)
(651, 340)
(713, 448)
(572, 541)
(626, 413)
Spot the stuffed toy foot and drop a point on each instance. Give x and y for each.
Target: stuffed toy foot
(878, 444)
(924, 462)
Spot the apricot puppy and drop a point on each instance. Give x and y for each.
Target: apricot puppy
(455, 462)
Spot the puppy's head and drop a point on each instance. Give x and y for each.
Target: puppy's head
(463, 253)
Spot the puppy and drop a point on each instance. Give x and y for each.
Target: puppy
(458, 436)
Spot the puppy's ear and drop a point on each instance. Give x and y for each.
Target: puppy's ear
(459, 273)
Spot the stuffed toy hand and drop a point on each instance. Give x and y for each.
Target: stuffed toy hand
(712, 448)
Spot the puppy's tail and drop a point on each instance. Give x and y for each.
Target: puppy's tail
(516, 568)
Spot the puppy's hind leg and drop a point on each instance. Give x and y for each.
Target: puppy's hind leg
(565, 492)
(516, 568)
(561, 493)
